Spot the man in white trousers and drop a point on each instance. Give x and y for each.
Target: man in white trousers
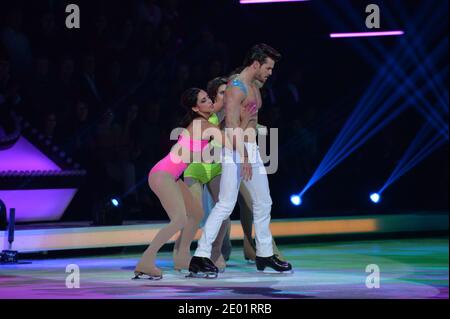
(243, 163)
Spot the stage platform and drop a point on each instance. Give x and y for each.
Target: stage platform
(409, 268)
(69, 236)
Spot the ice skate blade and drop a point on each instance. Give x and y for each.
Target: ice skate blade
(182, 271)
(211, 275)
(139, 276)
(273, 271)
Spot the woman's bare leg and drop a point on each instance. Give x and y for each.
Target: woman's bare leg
(216, 252)
(192, 200)
(171, 198)
(176, 245)
(196, 188)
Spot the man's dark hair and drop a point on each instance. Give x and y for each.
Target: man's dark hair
(260, 53)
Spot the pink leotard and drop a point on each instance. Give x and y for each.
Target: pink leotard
(172, 163)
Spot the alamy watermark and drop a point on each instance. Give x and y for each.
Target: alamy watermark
(73, 19)
(221, 150)
(373, 19)
(73, 279)
(373, 279)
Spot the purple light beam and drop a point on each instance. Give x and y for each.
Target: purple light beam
(366, 34)
(268, 1)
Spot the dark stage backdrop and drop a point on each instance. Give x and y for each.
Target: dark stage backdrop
(140, 55)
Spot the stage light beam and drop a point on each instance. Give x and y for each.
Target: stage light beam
(296, 200)
(375, 197)
(115, 202)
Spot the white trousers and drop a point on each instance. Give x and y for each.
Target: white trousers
(258, 187)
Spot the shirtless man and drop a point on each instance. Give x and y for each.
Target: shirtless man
(242, 92)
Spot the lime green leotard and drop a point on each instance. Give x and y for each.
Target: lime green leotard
(204, 172)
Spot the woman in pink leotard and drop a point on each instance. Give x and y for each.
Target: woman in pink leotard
(184, 210)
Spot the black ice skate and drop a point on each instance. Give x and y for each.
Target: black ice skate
(272, 265)
(202, 267)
